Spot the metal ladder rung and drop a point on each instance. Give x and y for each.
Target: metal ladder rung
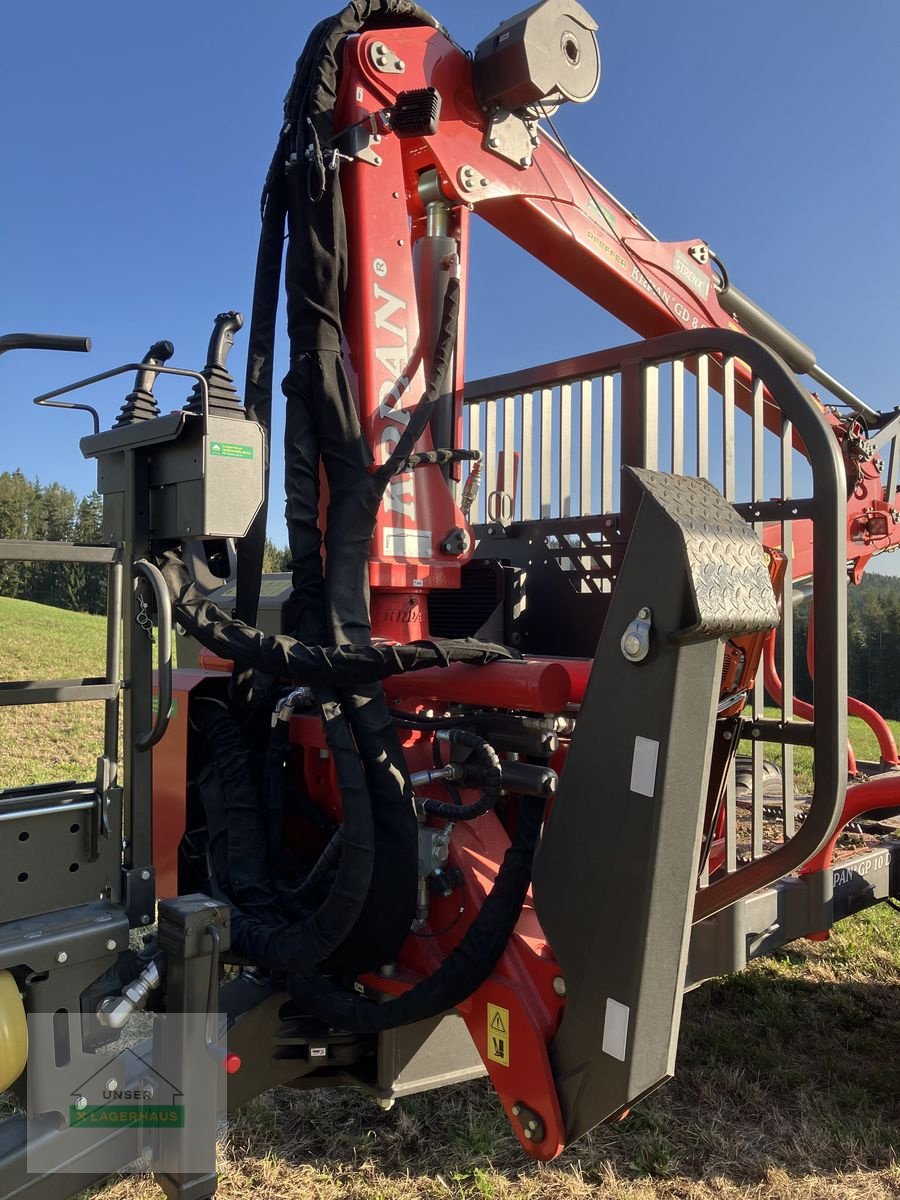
(57, 691)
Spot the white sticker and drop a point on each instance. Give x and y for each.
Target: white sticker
(643, 766)
(615, 1029)
(407, 543)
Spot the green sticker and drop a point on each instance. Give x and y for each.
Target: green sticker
(143, 1116)
(231, 450)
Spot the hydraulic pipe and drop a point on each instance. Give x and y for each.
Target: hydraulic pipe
(805, 711)
(530, 684)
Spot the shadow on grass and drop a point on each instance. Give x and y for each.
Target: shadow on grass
(775, 1072)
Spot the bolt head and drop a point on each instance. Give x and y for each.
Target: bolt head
(644, 614)
(401, 65)
(526, 161)
(62, 957)
(529, 1133)
(145, 875)
(559, 985)
(632, 645)
(516, 1109)
(145, 918)
(493, 143)
(111, 944)
(112, 1084)
(81, 1103)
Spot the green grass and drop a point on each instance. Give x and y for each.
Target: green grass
(863, 740)
(787, 1085)
(47, 742)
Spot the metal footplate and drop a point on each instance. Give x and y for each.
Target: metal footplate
(616, 870)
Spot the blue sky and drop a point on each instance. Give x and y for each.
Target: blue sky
(134, 146)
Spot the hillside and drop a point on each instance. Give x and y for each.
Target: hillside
(46, 742)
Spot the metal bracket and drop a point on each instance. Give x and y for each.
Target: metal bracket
(636, 638)
(384, 59)
(511, 137)
(139, 894)
(471, 180)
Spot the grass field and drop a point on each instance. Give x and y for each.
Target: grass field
(788, 1079)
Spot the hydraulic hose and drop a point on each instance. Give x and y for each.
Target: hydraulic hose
(279, 655)
(463, 970)
(491, 769)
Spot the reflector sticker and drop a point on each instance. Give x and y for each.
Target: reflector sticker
(643, 766)
(615, 1029)
(498, 1034)
(407, 543)
(230, 450)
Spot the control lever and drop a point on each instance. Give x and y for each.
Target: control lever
(224, 400)
(140, 404)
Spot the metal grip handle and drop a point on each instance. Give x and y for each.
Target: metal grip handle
(44, 341)
(164, 616)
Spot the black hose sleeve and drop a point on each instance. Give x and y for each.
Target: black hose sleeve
(390, 906)
(241, 843)
(491, 769)
(336, 666)
(462, 972)
(443, 354)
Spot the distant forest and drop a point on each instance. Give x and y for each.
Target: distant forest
(35, 511)
(32, 510)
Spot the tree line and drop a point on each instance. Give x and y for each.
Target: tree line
(35, 511)
(32, 511)
(873, 644)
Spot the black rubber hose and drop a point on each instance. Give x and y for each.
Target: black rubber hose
(493, 779)
(278, 655)
(466, 967)
(240, 845)
(390, 906)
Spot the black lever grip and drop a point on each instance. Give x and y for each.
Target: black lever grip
(226, 326)
(43, 341)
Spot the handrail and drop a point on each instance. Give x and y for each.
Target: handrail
(44, 341)
(829, 510)
(164, 615)
(127, 368)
